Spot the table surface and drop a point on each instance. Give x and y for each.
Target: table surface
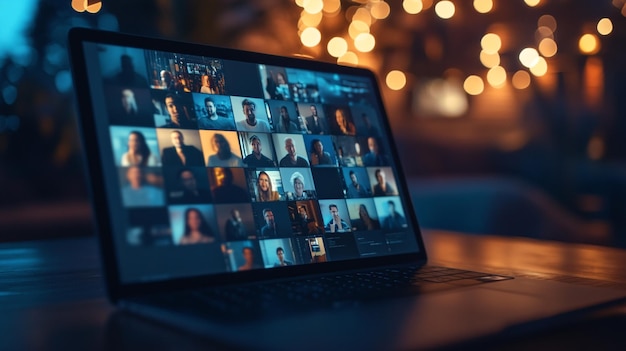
(52, 295)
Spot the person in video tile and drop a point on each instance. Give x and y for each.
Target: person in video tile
(223, 156)
(345, 125)
(226, 191)
(284, 123)
(251, 123)
(178, 117)
(197, 230)
(137, 192)
(249, 259)
(206, 85)
(256, 158)
(382, 187)
(365, 221)
(314, 123)
(180, 154)
(269, 229)
(355, 189)
(336, 224)
(319, 157)
(292, 159)
(394, 220)
(169, 83)
(374, 157)
(280, 253)
(308, 225)
(265, 188)
(213, 121)
(138, 153)
(234, 227)
(127, 76)
(190, 191)
(297, 181)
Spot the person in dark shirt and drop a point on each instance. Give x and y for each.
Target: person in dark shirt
(234, 227)
(177, 113)
(189, 191)
(374, 157)
(292, 159)
(180, 154)
(355, 189)
(226, 191)
(256, 158)
(394, 220)
(269, 229)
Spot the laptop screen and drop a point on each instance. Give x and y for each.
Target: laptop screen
(213, 165)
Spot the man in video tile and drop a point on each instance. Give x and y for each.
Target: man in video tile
(374, 156)
(269, 229)
(234, 227)
(314, 123)
(137, 192)
(394, 220)
(251, 123)
(180, 154)
(355, 189)
(169, 83)
(226, 191)
(336, 224)
(190, 192)
(382, 186)
(285, 124)
(308, 225)
(280, 253)
(256, 158)
(177, 113)
(292, 159)
(213, 121)
(249, 258)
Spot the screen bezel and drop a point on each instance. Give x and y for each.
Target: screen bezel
(102, 218)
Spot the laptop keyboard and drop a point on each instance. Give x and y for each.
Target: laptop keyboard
(330, 290)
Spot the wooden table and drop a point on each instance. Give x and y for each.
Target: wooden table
(52, 296)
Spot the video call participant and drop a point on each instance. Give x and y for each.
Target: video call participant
(319, 157)
(297, 181)
(280, 253)
(251, 123)
(197, 230)
(137, 192)
(269, 229)
(345, 125)
(365, 221)
(265, 191)
(308, 225)
(249, 259)
(382, 187)
(336, 224)
(234, 227)
(355, 189)
(394, 219)
(292, 159)
(190, 193)
(256, 158)
(206, 87)
(127, 77)
(284, 123)
(213, 121)
(178, 117)
(314, 123)
(223, 156)
(180, 154)
(169, 83)
(226, 191)
(374, 157)
(138, 153)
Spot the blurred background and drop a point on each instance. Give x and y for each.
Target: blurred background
(510, 115)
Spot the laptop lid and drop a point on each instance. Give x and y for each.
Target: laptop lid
(215, 166)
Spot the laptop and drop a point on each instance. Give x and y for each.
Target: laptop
(259, 201)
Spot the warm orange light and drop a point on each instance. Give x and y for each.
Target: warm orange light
(605, 26)
(489, 60)
(540, 68)
(496, 76)
(300, 3)
(337, 47)
(310, 20)
(521, 80)
(483, 6)
(395, 80)
(491, 43)
(83, 5)
(547, 21)
(589, 44)
(473, 85)
(532, 3)
(548, 47)
(362, 15)
(380, 10)
(332, 6)
(310, 37)
(364, 42)
(313, 6)
(543, 32)
(445, 9)
(357, 27)
(349, 58)
(528, 57)
(413, 6)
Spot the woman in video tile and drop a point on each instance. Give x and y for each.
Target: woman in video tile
(344, 123)
(265, 188)
(138, 153)
(297, 181)
(223, 156)
(207, 87)
(197, 230)
(319, 157)
(365, 222)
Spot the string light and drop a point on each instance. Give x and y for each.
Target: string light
(589, 44)
(364, 42)
(483, 6)
(445, 9)
(395, 80)
(605, 26)
(529, 57)
(349, 58)
(473, 85)
(356, 28)
(310, 37)
(380, 10)
(496, 76)
(489, 59)
(337, 47)
(313, 6)
(491, 43)
(412, 7)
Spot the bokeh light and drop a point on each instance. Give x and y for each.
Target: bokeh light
(605, 26)
(380, 10)
(540, 68)
(521, 80)
(496, 76)
(364, 42)
(483, 6)
(332, 6)
(548, 47)
(357, 27)
(445, 9)
(337, 47)
(313, 6)
(349, 58)
(589, 44)
(395, 80)
(413, 6)
(474, 85)
(529, 57)
(362, 15)
(310, 37)
(489, 59)
(532, 3)
(491, 43)
(547, 21)
(310, 20)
